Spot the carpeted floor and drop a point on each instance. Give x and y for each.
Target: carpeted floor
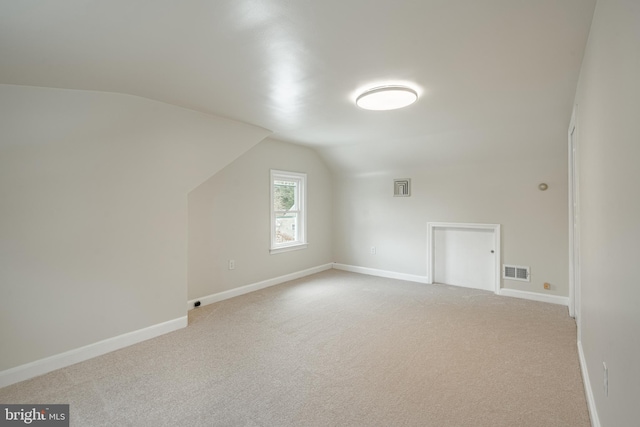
(337, 349)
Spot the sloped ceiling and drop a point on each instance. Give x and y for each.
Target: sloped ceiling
(496, 77)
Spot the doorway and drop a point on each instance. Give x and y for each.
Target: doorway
(574, 224)
(464, 254)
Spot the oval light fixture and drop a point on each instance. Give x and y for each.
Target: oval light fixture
(387, 98)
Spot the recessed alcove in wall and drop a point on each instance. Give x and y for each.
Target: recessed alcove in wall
(480, 243)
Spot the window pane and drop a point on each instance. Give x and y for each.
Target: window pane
(286, 228)
(284, 195)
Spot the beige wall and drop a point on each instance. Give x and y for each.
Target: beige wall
(534, 223)
(93, 213)
(229, 218)
(608, 125)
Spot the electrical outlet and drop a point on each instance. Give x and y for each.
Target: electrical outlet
(605, 374)
(547, 286)
(232, 264)
(373, 250)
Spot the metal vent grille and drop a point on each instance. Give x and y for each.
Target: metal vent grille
(516, 272)
(402, 187)
(509, 271)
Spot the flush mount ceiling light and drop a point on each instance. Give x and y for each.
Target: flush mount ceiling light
(387, 98)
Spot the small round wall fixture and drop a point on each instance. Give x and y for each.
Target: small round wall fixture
(543, 187)
(387, 98)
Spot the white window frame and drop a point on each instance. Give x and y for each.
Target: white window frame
(301, 242)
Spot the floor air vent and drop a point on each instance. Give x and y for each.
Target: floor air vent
(516, 272)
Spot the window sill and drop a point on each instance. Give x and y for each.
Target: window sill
(288, 248)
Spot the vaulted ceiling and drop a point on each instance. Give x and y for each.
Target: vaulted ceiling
(496, 77)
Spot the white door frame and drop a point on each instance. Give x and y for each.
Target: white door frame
(431, 226)
(574, 222)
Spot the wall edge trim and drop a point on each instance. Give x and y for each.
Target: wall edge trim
(80, 354)
(534, 296)
(591, 402)
(381, 273)
(221, 296)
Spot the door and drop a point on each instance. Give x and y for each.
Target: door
(465, 257)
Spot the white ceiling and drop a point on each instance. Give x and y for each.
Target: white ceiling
(496, 77)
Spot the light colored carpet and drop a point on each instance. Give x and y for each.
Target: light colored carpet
(337, 349)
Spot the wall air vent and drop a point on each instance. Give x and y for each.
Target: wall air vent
(402, 187)
(516, 272)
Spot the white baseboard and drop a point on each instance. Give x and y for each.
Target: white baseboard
(71, 357)
(221, 296)
(534, 296)
(591, 403)
(553, 299)
(43, 366)
(381, 273)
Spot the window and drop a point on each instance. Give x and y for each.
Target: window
(288, 214)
